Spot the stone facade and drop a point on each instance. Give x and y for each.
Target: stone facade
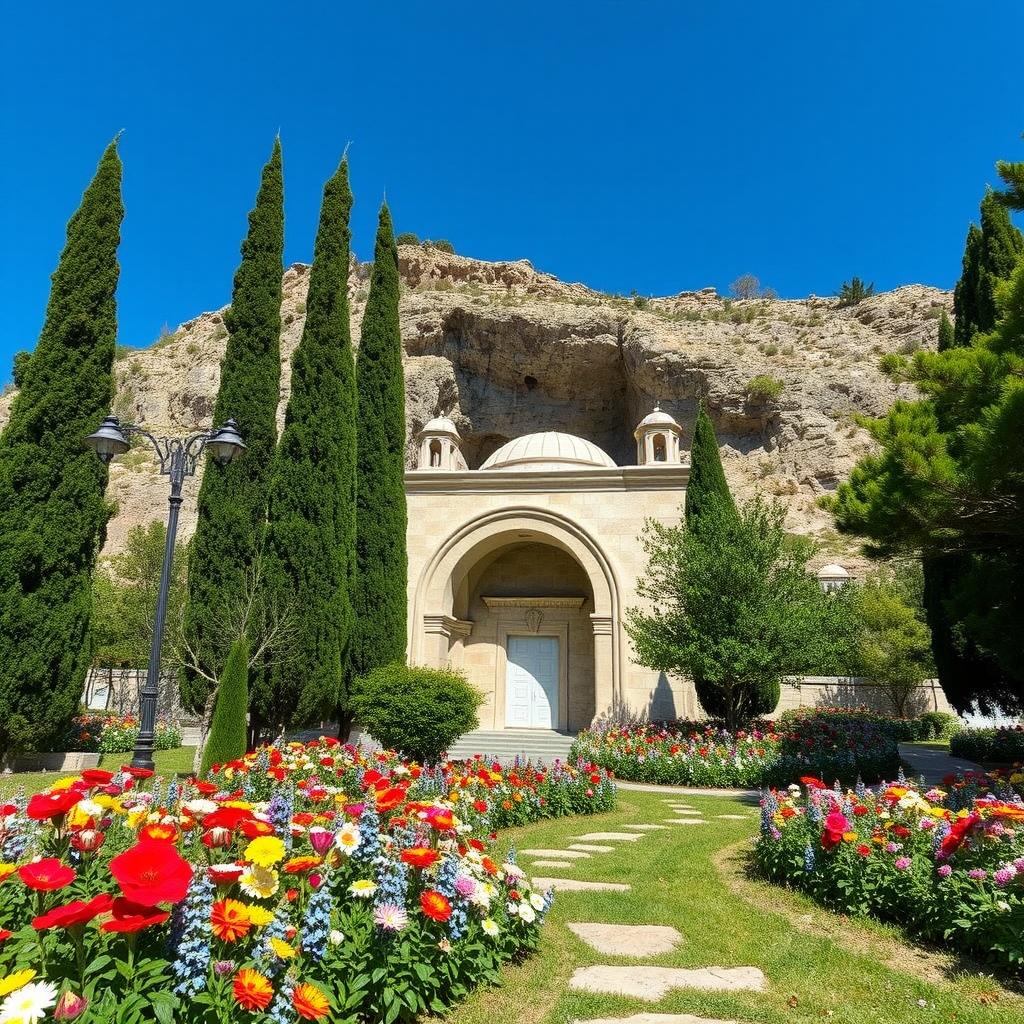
(544, 542)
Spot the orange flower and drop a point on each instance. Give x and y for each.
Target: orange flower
(252, 990)
(420, 856)
(298, 865)
(435, 905)
(167, 833)
(309, 1002)
(229, 920)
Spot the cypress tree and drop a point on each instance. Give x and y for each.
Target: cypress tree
(990, 254)
(52, 512)
(946, 334)
(309, 553)
(228, 730)
(707, 478)
(381, 566)
(233, 499)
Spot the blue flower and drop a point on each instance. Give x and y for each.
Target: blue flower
(190, 937)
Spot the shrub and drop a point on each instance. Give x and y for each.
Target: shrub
(1004, 744)
(941, 725)
(746, 286)
(416, 710)
(946, 864)
(407, 238)
(855, 291)
(115, 734)
(764, 388)
(229, 729)
(837, 743)
(439, 243)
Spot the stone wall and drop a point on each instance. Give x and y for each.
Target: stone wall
(845, 691)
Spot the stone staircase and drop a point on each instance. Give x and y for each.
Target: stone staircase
(503, 745)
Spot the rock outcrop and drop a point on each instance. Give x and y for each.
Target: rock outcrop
(505, 350)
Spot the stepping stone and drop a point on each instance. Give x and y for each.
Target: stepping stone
(647, 828)
(628, 939)
(686, 810)
(592, 848)
(653, 983)
(657, 1018)
(578, 885)
(553, 864)
(686, 821)
(733, 817)
(556, 854)
(599, 836)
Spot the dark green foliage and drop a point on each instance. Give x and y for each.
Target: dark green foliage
(439, 243)
(764, 388)
(991, 746)
(853, 292)
(229, 731)
(407, 238)
(1012, 174)
(19, 369)
(309, 554)
(990, 254)
(707, 478)
(418, 711)
(946, 332)
(382, 568)
(732, 606)
(233, 499)
(52, 512)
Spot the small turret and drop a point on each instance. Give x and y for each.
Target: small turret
(440, 446)
(657, 439)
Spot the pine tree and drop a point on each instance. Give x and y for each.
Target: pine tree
(228, 729)
(946, 334)
(707, 478)
(52, 512)
(990, 254)
(309, 554)
(233, 499)
(382, 569)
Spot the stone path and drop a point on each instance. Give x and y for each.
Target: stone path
(642, 981)
(653, 983)
(746, 795)
(934, 765)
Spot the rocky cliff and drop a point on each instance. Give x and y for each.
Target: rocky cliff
(505, 350)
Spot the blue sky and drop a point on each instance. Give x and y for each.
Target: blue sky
(648, 146)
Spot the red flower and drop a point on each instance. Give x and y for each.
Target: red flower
(206, 788)
(835, 825)
(420, 856)
(435, 905)
(863, 849)
(52, 805)
(389, 799)
(226, 817)
(480, 805)
(74, 913)
(97, 776)
(860, 810)
(958, 833)
(137, 773)
(152, 872)
(46, 875)
(159, 832)
(253, 828)
(130, 917)
(812, 783)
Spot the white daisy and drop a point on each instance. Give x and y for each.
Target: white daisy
(536, 901)
(490, 927)
(348, 839)
(527, 913)
(29, 1003)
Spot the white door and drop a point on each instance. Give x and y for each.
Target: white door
(531, 687)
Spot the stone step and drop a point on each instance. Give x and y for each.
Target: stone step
(637, 940)
(656, 1018)
(578, 885)
(653, 983)
(543, 745)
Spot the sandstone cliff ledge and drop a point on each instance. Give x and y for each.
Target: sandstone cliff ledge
(505, 350)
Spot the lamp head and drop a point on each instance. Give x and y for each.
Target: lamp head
(226, 444)
(109, 440)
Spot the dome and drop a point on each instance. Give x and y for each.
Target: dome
(439, 425)
(546, 451)
(657, 419)
(833, 572)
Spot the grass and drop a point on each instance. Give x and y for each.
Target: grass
(819, 966)
(167, 762)
(942, 745)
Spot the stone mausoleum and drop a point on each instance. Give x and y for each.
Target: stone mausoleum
(521, 571)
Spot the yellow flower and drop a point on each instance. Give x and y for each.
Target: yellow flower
(849, 836)
(6, 870)
(65, 783)
(243, 804)
(19, 979)
(259, 916)
(104, 800)
(281, 949)
(135, 817)
(259, 883)
(265, 851)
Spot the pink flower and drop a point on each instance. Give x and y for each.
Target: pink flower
(978, 874)
(944, 870)
(320, 839)
(902, 863)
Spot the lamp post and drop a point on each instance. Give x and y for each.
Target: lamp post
(178, 459)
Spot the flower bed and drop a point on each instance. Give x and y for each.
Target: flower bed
(1001, 746)
(836, 743)
(311, 882)
(947, 864)
(682, 754)
(116, 734)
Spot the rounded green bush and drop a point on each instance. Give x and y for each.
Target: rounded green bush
(415, 710)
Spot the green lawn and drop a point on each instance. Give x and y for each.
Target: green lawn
(942, 745)
(167, 762)
(819, 966)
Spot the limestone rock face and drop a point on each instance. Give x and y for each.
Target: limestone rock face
(505, 350)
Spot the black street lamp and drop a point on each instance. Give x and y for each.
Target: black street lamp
(178, 458)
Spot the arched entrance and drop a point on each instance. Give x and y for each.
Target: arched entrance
(527, 604)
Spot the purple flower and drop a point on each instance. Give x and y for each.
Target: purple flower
(1004, 876)
(224, 967)
(892, 847)
(978, 874)
(902, 863)
(944, 870)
